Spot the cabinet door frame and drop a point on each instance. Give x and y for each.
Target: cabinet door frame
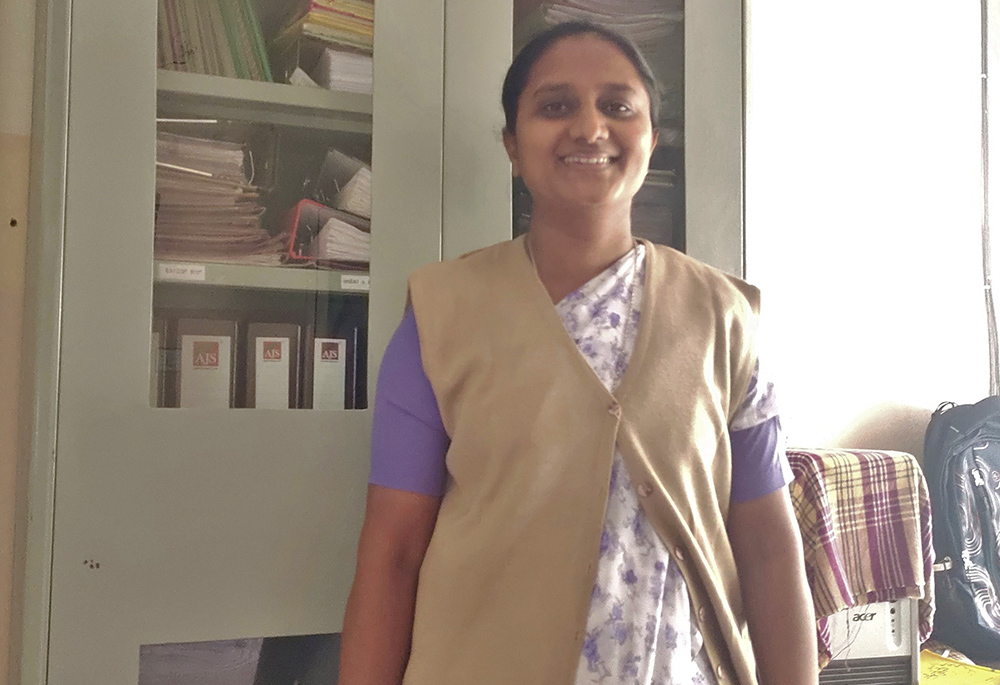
(35, 487)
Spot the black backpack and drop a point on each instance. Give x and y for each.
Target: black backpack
(962, 466)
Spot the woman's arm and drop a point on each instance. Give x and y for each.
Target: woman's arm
(768, 549)
(378, 623)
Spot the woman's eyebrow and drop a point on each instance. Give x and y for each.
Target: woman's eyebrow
(551, 88)
(619, 88)
(565, 87)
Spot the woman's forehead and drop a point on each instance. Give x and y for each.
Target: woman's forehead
(585, 58)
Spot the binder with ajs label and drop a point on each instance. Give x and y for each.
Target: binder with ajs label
(272, 366)
(207, 348)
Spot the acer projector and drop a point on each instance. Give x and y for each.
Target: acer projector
(874, 644)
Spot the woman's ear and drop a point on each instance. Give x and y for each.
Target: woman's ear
(510, 144)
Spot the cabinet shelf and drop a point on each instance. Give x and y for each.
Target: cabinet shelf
(184, 94)
(261, 277)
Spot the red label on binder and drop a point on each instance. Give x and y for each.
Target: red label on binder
(272, 350)
(330, 352)
(206, 354)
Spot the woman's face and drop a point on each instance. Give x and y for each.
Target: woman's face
(583, 134)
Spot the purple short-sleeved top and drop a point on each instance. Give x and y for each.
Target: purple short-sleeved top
(409, 441)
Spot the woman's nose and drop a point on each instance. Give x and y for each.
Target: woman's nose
(589, 125)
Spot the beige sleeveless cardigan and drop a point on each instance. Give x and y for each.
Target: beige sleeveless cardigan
(505, 586)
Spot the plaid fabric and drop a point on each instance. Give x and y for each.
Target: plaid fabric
(865, 519)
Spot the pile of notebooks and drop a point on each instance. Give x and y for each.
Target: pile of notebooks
(217, 37)
(329, 42)
(207, 209)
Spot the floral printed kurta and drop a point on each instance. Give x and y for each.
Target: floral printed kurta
(640, 629)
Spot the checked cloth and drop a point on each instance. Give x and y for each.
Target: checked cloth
(865, 519)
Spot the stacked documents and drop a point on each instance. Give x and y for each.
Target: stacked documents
(343, 24)
(645, 22)
(345, 182)
(342, 70)
(218, 37)
(331, 41)
(340, 242)
(206, 209)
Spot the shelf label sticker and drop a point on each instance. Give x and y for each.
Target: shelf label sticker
(168, 271)
(354, 282)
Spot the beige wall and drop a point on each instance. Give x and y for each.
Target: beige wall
(863, 213)
(16, 46)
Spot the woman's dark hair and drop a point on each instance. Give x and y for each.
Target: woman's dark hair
(520, 68)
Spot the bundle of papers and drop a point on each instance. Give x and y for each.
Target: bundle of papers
(644, 22)
(344, 23)
(218, 37)
(341, 70)
(345, 183)
(340, 242)
(356, 196)
(206, 209)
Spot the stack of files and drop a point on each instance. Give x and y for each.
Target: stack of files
(342, 70)
(338, 242)
(206, 208)
(343, 24)
(356, 196)
(345, 182)
(646, 22)
(217, 37)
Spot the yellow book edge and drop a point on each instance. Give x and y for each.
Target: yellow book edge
(935, 668)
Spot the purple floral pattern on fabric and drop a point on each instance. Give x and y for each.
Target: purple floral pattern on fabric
(640, 629)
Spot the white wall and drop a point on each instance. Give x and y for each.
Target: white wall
(863, 205)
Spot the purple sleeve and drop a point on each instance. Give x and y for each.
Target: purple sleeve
(759, 463)
(409, 441)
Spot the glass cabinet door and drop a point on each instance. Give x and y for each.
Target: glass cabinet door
(247, 185)
(262, 230)
(692, 196)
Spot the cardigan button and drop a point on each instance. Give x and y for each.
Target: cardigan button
(701, 614)
(644, 489)
(720, 672)
(615, 409)
(678, 553)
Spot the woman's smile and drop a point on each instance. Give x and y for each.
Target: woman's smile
(588, 160)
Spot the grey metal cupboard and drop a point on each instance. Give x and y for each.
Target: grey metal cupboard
(151, 525)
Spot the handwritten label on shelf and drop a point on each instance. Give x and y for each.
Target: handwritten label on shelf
(181, 272)
(354, 282)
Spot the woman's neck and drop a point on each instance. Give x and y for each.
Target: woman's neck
(569, 249)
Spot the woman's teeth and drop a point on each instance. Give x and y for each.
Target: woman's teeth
(586, 160)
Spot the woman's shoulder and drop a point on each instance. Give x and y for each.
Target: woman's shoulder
(714, 283)
(480, 264)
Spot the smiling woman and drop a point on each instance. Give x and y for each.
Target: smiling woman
(586, 475)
